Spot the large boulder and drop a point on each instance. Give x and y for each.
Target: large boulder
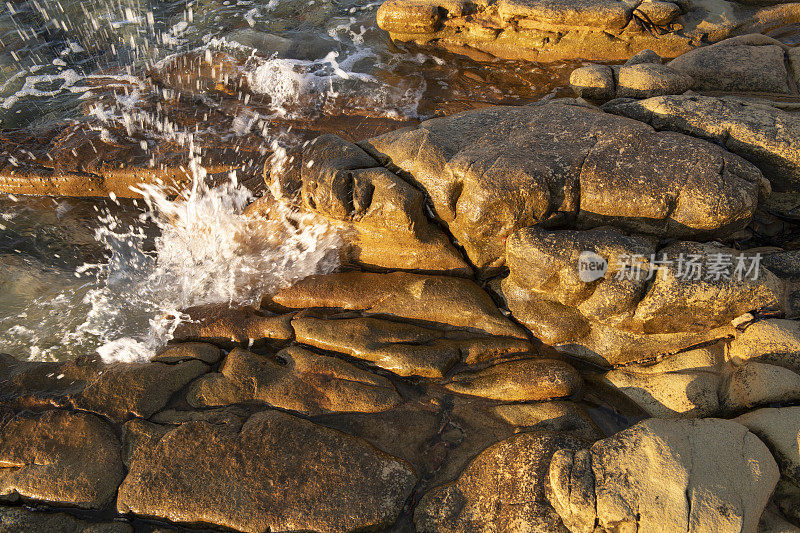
(274, 473)
(779, 428)
(665, 475)
(493, 171)
(295, 379)
(557, 30)
(774, 341)
(764, 135)
(502, 489)
(59, 457)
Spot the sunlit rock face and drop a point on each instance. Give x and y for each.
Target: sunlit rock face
(552, 30)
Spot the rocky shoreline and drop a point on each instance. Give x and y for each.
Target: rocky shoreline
(462, 372)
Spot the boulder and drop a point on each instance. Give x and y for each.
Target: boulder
(275, 473)
(754, 383)
(594, 82)
(764, 135)
(187, 351)
(402, 348)
(381, 217)
(294, 379)
(560, 416)
(779, 428)
(59, 457)
(447, 302)
(644, 80)
(231, 326)
(502, 489)
(645, 56)
(773, 341)
(22, 520)
(665, 475)
(492, 171)
(520, 380)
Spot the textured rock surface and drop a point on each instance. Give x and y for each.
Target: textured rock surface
(21, 520)
(595, 82)
(492, 171)
(779, 428)
(501, 490)
(764, 135)
(776, 342)
(60, 457)
(277, 473)
(187, 351)
(226, 326)
(294, 379)
(665, 475)
(645, 80)
(559, 415)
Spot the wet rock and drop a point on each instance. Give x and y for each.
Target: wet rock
(227, 326)
(493, 171)
(22, 520)
(645, 80)
(774, 341)
(447, 302)
(595, 82)
(555, 30)
(381, 216)
(754, 384)
(188, 351)
(519, 380)
(502, 489)
(748, 63)
(631, 310)
(764, 135)
(294, 379)
(779, 428)
(278, 473)
(559, 416)
(665, 475)
(61, 458)
(405, 349)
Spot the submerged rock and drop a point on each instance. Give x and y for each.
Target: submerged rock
(665, 475)
(503, 489)
(493, 171)
(277, 473)
(231, 326)
(22, 520)
(294, 379)
(61, 458)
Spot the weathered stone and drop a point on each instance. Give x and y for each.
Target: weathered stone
(449, 302)
(226, 326)
(774, 341)
(124, 390)
(644, 57)
(381, 217)
(753, 384)
(559, 416)
(187, 351)
(501, 490)
(521, 380)
(276, 473)
(492, 171)
(645, 80)
(747, 63)
(766, 136)
(657, 12)
(595, 82)
(403, 348)
(22, 520)
(780, 430)
(786, 497)
(60, 458)
(665, 475)
(420, 16)
(773, 522)
(295, 379)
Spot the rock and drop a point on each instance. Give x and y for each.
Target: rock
(764, 135)
(381, 216)
(277, 473)
(645, 80)
(187, 351)
(22, 520)
(665, 475)
(405, 349)
(227, 327)
(449, 302)
(125, 390)
(595, 82)
(644, 57)
(501, 490)
(61, 458)
(522, 380)
(755, 383)
(745, 63)
(779, 428)
(786, 496)
(558, 30)
(294, 379)
(617, 315)
(774, 341)
(559, 416)
(492, 171)
(773, 522)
